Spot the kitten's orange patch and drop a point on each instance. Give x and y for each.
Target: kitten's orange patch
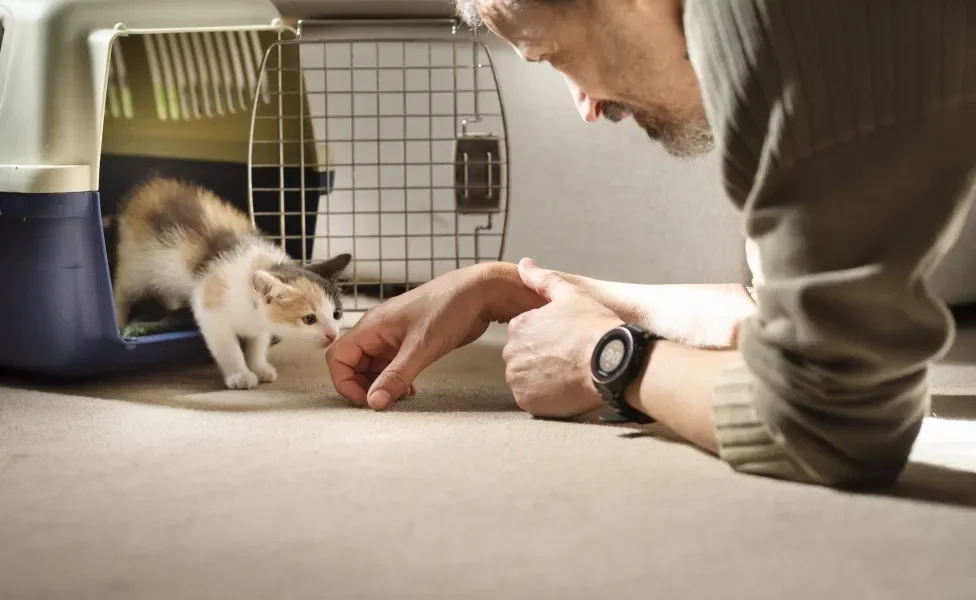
(165, 214)
(224, 214)
(192, 251)
(200, 209)
(146, 200)
(303, 297)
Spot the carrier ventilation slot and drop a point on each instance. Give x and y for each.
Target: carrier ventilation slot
(1, 44)
(119, 94)
(195, 75)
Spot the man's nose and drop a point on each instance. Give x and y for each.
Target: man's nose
(587, 107)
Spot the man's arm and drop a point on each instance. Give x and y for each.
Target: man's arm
(698, 315)
(677, 387)
(847, 140)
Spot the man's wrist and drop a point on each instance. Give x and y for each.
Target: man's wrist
(622, 400)
(632, 395)
(676, 387)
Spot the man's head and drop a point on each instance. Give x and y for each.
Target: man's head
(619, 58)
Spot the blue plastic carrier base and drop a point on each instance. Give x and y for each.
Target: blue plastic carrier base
(57, 314)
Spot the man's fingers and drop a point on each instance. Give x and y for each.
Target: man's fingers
(352, 356)
(356, 388)
(353, 388)
(546, 283)
(396, 380)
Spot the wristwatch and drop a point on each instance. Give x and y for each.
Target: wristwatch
(616, 362)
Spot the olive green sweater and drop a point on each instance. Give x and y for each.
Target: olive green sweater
(847, 130)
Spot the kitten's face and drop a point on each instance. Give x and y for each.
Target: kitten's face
(301, 304)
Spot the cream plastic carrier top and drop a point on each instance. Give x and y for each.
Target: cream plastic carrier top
(57, 71)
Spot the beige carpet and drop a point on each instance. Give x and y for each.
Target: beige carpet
(168, 487)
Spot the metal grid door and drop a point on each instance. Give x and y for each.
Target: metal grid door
(403, 151)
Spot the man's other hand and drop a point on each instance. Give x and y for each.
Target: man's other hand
(549, 348)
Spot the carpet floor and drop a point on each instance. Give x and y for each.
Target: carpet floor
(166, 486)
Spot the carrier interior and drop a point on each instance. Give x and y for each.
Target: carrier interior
(180, 105)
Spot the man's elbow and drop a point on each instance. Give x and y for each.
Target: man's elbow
(841, 428)
(843, 452)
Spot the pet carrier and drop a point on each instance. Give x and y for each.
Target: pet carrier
(97, 95)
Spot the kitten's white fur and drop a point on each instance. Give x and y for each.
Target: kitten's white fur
(187, 246)
(245, 315)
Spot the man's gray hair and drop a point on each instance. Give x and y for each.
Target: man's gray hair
(468, 11)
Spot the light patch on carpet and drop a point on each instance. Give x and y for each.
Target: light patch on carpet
(948, 443)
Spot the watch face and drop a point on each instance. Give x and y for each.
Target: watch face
(612, 356)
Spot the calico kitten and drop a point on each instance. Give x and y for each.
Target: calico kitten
(184, 245)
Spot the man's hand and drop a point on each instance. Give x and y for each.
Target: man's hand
(376, 361)
(549, 348)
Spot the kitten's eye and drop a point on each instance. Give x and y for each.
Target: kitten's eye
(310, 319)
(337, 315)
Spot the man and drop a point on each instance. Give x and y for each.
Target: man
(847, 133)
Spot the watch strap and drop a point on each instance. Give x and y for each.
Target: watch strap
(613, 392)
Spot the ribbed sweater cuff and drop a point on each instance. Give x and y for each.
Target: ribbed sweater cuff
(746, 441)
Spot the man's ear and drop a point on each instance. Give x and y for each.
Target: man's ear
(269, 286)
(328, 269)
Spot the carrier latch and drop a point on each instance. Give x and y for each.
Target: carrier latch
(477, 174)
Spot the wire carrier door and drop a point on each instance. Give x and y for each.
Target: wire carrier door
(401, 145)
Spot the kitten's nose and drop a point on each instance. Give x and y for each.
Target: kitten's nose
(328, 336)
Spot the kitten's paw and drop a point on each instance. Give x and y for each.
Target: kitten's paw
(242, 381)
(266, 373)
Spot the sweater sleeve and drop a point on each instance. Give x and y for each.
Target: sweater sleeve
(847, 133)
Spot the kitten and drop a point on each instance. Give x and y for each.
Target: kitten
(184, 245)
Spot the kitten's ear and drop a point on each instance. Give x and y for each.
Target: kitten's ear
(268, 285)
(330, 268)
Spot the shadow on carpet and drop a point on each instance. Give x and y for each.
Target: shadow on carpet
(468, 380)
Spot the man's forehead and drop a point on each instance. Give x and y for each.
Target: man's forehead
(520, 24)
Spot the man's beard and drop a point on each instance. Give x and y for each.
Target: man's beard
(682, 140)
(615, 111)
